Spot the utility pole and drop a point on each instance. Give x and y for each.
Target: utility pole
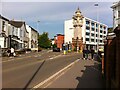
(97, 25)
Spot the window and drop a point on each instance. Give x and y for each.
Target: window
(93, 29)
(96, 40)
(96, 25)
(87, 22)
(92, 40)
(87, 33)
(100, 36)
(100, 31)
(92, 34)
(104, 32)
(101, 26)
(87, 39)
(96, 35)
(96, 30)
(3, 25)
(20, 33)
(12, 30)
(16, 32)
(92, 24)
(104, 28)
(118, 14)
(100, 41)
(88, 28)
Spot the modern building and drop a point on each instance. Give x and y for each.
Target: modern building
(116, 14)
(84, 31)
(59, 41)
(33, 38)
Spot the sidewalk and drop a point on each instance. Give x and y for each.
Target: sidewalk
(84, 74)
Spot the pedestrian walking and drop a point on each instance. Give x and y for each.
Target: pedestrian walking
(92, 53)
(87, 53)
(84, 53)
(12, 52)
(8, 52)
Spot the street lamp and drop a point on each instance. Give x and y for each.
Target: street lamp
(37, 24)
(97, 25)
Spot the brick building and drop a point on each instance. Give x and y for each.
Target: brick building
(59, 41)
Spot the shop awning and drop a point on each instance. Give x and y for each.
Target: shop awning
(17, 40)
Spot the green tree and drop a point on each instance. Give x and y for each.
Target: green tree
(110, 30)
(43, 41)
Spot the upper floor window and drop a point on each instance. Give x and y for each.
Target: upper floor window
(96, 25)
(87, 33)
(12, 30)
(100, 31)
(21, 33)
(119, 14)
(3, 25)
(92, 40)
(88, 28)
(93, 29)
(87, 22)
(87, 39)
(92, 34)
(92, 23)
(104, 32)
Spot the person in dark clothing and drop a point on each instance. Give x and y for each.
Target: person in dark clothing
(100, 53)
(87, 52)
(84, 53)
(9, 52)
(92, 53)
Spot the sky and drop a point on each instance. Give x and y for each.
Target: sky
(53, 14)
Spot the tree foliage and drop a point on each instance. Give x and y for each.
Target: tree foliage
(110, 30)
(43, 41)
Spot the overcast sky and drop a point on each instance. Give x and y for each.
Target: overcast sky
(53, 14)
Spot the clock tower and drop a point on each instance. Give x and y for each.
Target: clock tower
(77, 39)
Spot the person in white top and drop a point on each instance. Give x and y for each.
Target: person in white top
(12, 52)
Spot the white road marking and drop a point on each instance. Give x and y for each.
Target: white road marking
(54, 75)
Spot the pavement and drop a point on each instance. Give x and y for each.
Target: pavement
(83, 74)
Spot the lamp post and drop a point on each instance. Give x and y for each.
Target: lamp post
(38, 34)
(97, 25)
(38, 24)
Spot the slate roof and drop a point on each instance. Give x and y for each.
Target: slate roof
(17, 24)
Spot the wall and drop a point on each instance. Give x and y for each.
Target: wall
(68, 31)
(112, 60)
(2, 42)
(60, 41)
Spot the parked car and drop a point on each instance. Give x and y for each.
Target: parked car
(56, 49)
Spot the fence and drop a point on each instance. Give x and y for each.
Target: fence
(112, 60)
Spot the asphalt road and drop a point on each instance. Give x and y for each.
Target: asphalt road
(29, 70)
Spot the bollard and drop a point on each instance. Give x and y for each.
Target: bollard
(102, 63)
(64, 52)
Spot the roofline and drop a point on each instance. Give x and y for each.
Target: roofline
(96, 21)
(115, 4)
(60, 34)
(3, 18)
(33, 29)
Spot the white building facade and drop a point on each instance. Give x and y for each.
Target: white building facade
(3, 32)
(18, 34)
(116, 14)
(33, 38)
(93, 32)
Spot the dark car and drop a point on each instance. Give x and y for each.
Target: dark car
(56, 49)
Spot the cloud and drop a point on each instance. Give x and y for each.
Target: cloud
(53, 15)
